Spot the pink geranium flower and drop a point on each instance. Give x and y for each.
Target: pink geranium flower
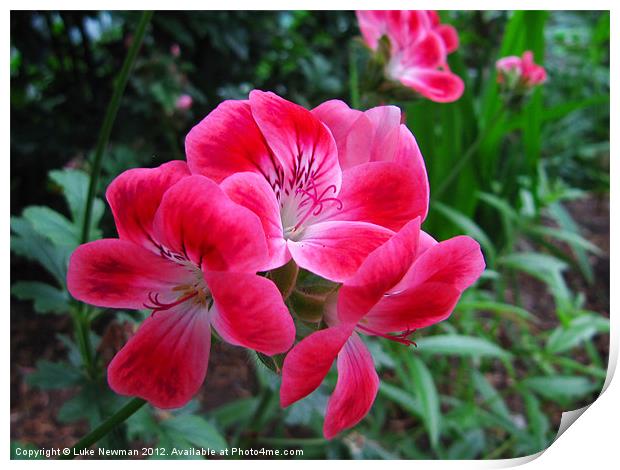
(282, 162)
(190, 254)
(419, 46)
(409, 282)
(520, 72)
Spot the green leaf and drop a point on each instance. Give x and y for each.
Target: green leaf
(537, 422)
(560, 388)
(460, 345)
(580, 329)
(425, 390)
(197, 431)
(467, 447)
(565, 220)
(572, 238)
(49, 223)
(26, 242)
(402, 398)
(511, 311)
(47, 299)
(54, 375)
(236, 413)
(492, 399)
(74, 184)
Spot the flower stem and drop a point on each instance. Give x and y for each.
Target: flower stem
(108, 121)
(104, 428)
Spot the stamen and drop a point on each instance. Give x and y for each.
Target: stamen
(160, 306)
(316, 202)
(401, 338)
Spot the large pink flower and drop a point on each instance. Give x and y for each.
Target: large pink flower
(189, 253)
(521, 71)
(409, 282)
(419, 46)
(282, 162)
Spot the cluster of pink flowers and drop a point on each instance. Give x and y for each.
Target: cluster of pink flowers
(339, 191)
(520, 73)
(419, 48)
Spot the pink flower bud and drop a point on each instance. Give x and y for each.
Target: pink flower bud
(175, 50)
(184, 102)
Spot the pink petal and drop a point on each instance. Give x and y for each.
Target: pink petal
(356, 388)
(433, 17)
(249, 311)
(428, 292)
(228, 141)
(197, 220)
(449, 36)
(334, 250)
(119, 274)
(352, 131)
(436, 85)
(457, 262)
(303, 144)
(379, 273)
(165, 362)
(307, 364)
(416, 307)
(372, 25)
(385, 121)
(406, 28)
(382, 193)
(134, 197)
(252, 191)
(428, 53)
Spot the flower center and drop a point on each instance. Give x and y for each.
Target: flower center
(195, 289)
(304, 203)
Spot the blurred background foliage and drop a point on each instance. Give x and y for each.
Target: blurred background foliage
(530, 183)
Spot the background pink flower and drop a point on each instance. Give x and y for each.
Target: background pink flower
(520, 71)
(419, 46)
(184, 102)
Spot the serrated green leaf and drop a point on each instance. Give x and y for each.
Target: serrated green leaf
(26, 242)
(47, 299)
(54, 375)
(50, 224)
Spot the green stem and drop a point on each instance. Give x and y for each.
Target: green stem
(81, 326)
(110, 116)
(104, 428)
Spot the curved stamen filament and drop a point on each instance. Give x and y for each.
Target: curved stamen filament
(401, 338)
(158, 306)
(311, 197)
